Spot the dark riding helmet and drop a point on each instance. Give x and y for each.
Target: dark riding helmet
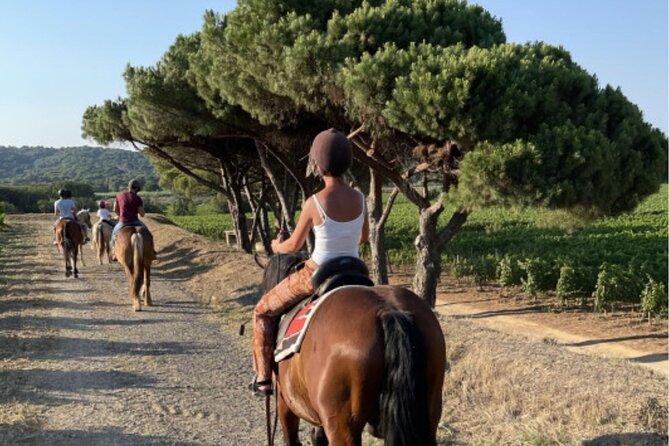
(64, 193)
(135, 185)
(331, 151)
(102, 204)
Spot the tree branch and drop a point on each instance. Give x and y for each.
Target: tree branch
(389, 206)
(183, 169)
(367, 156)
(458, 219)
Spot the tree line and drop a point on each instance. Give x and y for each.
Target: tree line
(437, 105)
(102, 168)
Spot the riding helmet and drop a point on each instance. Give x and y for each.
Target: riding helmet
(64, 193)
(331, 151)
(135, 185)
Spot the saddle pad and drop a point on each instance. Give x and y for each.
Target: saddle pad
(291, 341)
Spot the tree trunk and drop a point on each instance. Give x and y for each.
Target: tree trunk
(428, 254)
(240, 222)
(377, 222)
(287, 218)
(429, 246)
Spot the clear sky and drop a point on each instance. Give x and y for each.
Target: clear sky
(58, 57)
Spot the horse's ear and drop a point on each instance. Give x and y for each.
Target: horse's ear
(262, 261)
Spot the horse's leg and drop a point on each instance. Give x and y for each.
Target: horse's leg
(290, 423)
(75, 253)
(318, 437)
(81, 253)
(340, 432)
(147, 285)
(66, 256)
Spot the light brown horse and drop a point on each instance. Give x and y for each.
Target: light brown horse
(372, 356)
(101, 240)
(133, 248)
(69, 238)
(84, 220)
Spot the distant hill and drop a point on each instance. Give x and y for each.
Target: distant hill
(103, 169)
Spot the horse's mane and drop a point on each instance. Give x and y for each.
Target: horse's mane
(278, 267)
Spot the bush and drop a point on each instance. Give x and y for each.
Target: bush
(181, 206)
(654, 298)
(539, 276)
(460, 267)
(615, 284)
(484, 269)
(568, 284)
(509, 272)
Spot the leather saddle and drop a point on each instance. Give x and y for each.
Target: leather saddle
(338, 272)
(335, 273)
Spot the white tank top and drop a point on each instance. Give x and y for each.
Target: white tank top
(337, 238)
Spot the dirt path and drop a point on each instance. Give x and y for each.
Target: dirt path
(78, 367)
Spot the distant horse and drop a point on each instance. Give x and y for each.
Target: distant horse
(84, 220)
(372, 356)
(102, 232)
(134, 250)
(69, 238)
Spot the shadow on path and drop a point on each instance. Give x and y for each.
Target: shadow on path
(25, 434)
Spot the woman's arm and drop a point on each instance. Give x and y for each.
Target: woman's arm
(140, 211)
(364, 235)
(299, 236)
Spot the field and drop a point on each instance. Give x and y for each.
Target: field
(603, 263)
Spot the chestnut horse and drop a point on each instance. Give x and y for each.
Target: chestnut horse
(372, 356)
(133, 248)
(69, 238)
(101, 233)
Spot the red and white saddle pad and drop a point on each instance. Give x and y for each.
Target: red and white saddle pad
(290, 338)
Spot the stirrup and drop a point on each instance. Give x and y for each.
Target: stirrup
(262, 388)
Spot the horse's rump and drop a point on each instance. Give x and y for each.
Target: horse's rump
(68, 233)
(379, 351)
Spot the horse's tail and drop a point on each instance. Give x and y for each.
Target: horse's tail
(67, 244)
(137, 244)
(99, 241)
(403, 405)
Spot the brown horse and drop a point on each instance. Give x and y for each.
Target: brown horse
(372, 356)
(133, 248)
(68, 239)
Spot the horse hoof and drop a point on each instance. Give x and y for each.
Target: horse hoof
(76, 276)
(68, 273)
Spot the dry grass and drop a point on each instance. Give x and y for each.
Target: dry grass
(507, 391)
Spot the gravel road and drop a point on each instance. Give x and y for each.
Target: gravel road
(79, 367)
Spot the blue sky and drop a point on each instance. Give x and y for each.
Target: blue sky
(57, 58)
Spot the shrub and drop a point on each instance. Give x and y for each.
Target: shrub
(654, 298)
(539, 276)
(615, 284)
(509, 272)
(568, 284)
(484, 269)
(460, 267)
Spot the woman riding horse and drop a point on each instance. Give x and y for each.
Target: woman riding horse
(69, 231)
(372, 356)
(338, 218)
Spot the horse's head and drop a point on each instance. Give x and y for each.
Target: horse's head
(277, 267)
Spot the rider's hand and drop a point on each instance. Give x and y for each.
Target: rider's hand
(275, 244)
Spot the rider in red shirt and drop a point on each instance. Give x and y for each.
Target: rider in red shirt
(129, 207)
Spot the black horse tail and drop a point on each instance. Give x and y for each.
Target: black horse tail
(403, 406)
